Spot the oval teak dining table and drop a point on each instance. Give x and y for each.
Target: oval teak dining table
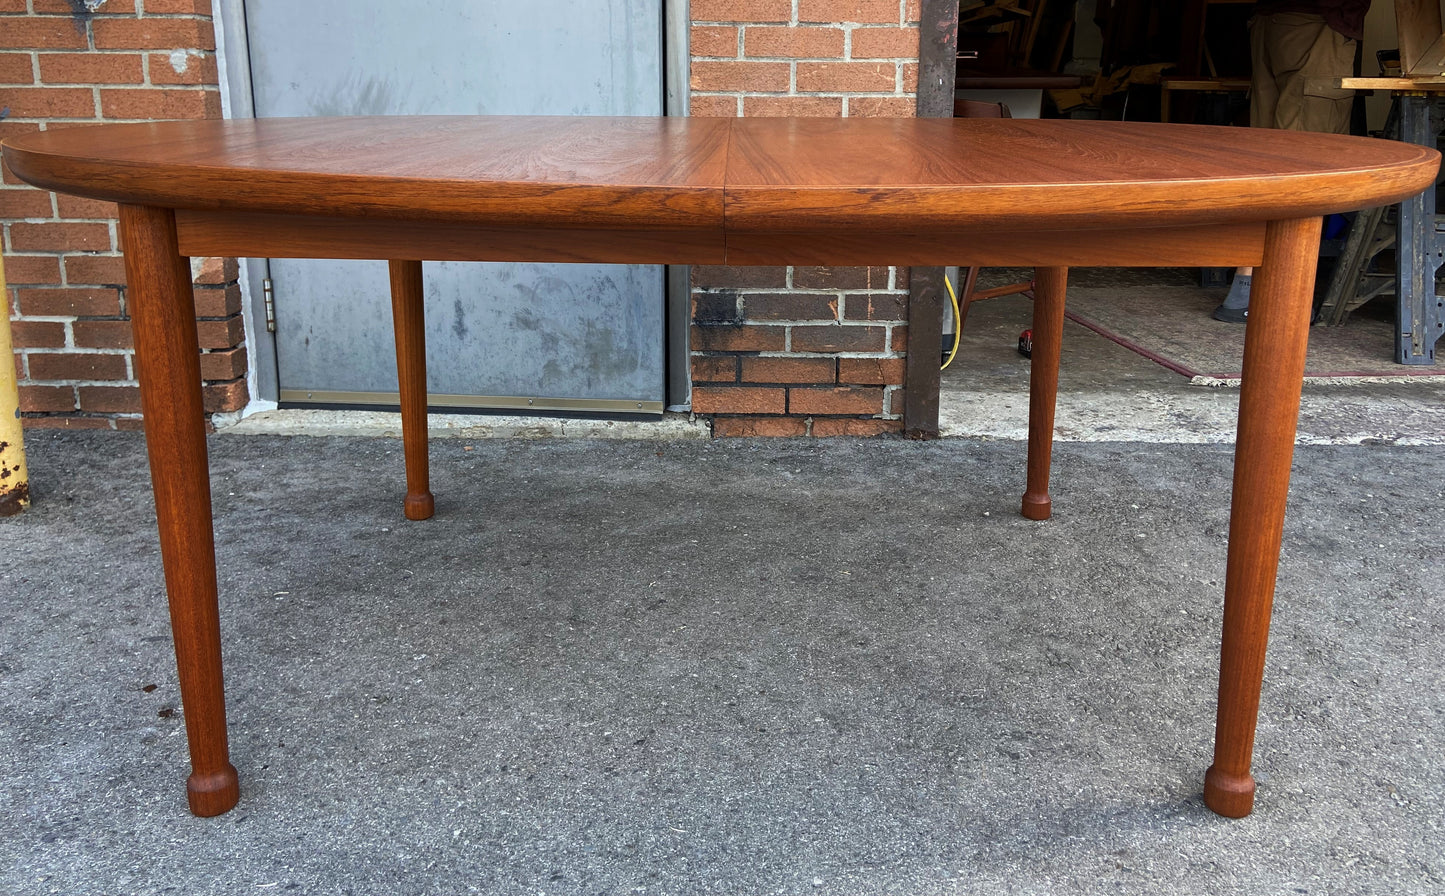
(1048, 194)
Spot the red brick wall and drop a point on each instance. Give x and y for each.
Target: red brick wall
(63, 65)
(805, 350)
(776, 351)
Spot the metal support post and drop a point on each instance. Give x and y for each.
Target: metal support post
(14, 481)
(1421, 310)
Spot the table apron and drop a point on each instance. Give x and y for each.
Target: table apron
(272, 235)
(1214, 245)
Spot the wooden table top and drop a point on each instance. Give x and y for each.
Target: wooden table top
(753, 175)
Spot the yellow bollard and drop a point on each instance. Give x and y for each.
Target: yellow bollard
(14, 481)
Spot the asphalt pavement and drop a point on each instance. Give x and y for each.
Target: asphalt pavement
(722, 667)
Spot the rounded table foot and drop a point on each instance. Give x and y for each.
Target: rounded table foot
(1229, 795)
(420, 506)
(214, 793)
(1037, 507)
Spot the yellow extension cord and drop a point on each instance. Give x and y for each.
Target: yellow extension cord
(957, 330)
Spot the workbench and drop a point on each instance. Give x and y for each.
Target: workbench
(720, 191)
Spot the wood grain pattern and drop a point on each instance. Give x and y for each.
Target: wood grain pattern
(409, 322)
(1417, 22)
(1423, 85)
(167, 359)
(275, 235)
(772, 175)
(1223, 245)
(271, 235)
(633, 173)
(812, 175)
(1050, 285)
(1274, 361)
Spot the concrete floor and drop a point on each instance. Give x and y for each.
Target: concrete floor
(1108, 393)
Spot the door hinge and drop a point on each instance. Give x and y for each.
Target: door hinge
(269, 294)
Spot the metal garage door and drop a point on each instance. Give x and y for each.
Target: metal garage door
(560, 337)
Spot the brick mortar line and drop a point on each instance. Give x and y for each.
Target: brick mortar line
(770, 384)
(80, 384)
(897, 60)
(57, 318)
(74, 85)
(794, 60)
(792, 271)
(37, 52)
(151, 86)
(78, 85)
(716, 23)
(802, 290)
(102, 13)
(123, 383)
(788, 355)
(56, 219)
(125, 85)
(810, 386)
(882, 354)
(791, 322)
(97, 118)
(740, 94)
(74, 351)
(850, 356)
(105, 318)
(900, 23)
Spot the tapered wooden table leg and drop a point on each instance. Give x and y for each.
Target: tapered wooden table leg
(1048, 334)
(167, 358)
(1274, 361)
(409, 319)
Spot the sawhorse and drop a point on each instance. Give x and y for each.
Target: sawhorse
(1419, 241)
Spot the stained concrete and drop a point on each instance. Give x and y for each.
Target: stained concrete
(845, 667)
(317, 422)
(1108, 393)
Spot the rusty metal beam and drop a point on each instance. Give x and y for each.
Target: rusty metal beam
(937, 50)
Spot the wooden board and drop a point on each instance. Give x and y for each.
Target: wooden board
(1422, 39)
(1422, 85)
